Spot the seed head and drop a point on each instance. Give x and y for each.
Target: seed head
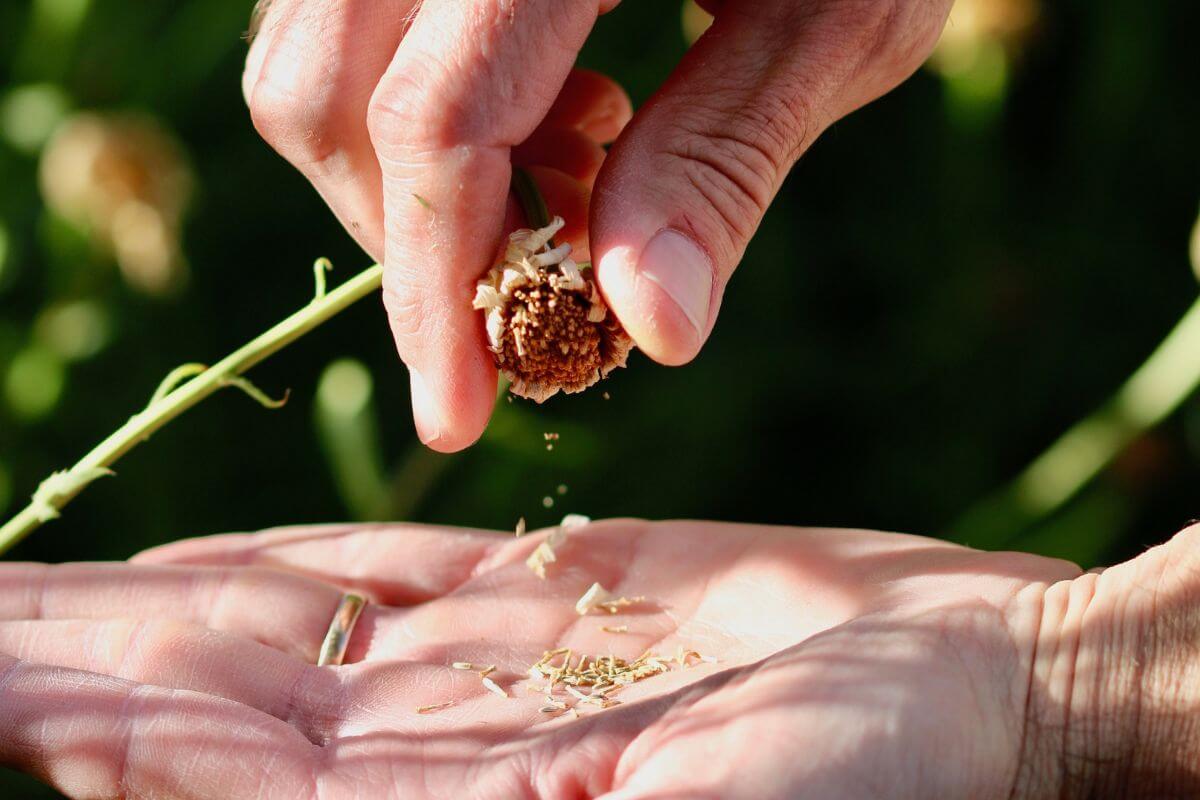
(547, 325)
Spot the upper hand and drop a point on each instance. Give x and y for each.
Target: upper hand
(407, 117)
(850, 663)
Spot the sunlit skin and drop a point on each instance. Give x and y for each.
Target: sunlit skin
(380, 101)
(849, 664)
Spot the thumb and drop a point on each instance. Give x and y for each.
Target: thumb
(686, 185)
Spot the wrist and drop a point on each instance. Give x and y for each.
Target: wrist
(1114, 693)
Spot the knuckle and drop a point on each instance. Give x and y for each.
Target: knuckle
(735, 162)
(894, 36)
(408, 111)
(293, 115)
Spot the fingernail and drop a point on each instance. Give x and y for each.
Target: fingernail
(682, 270)
(425, 412)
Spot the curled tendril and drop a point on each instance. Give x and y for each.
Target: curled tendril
(257, 394)
(174, 378)
(320, 267)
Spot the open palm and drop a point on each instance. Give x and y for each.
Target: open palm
(849, 663)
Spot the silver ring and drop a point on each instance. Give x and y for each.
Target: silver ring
(333, 649)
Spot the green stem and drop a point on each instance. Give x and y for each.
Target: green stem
(1160, 385)
(61, 488)
(537, 215)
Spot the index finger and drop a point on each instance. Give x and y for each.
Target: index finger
(92, 735)
(472, 79)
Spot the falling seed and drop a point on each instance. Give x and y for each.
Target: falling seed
(543, 554)
(520, 527)
(434, 707)
(592, 598)
(549, 447)
(607, 396)
(562, 489)
(547, 502)
(494, 687)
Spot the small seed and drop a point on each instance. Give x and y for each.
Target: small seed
(466, 665)
(434, 707)
(615, 628)
(494, 687)
(547, 501)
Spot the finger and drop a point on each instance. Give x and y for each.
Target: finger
(593, 104)
(94, 736)
(288, 612)
(308, 80)
(686, 185)
(178, 655)
(396, 564)
(567, 150)
(469, 82)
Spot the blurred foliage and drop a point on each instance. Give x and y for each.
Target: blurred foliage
(950, 278)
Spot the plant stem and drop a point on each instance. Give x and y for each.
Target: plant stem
(170, 405)
(1157, 388)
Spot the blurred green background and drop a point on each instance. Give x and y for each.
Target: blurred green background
(949, 280)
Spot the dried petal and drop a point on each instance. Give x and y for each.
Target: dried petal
(592, 598)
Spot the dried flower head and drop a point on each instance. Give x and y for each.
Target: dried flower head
(547, 325)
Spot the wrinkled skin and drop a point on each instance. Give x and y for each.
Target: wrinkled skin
(851, 664)
(408, 115)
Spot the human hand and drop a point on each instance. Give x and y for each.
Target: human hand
(407, 116)
(850, 664)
